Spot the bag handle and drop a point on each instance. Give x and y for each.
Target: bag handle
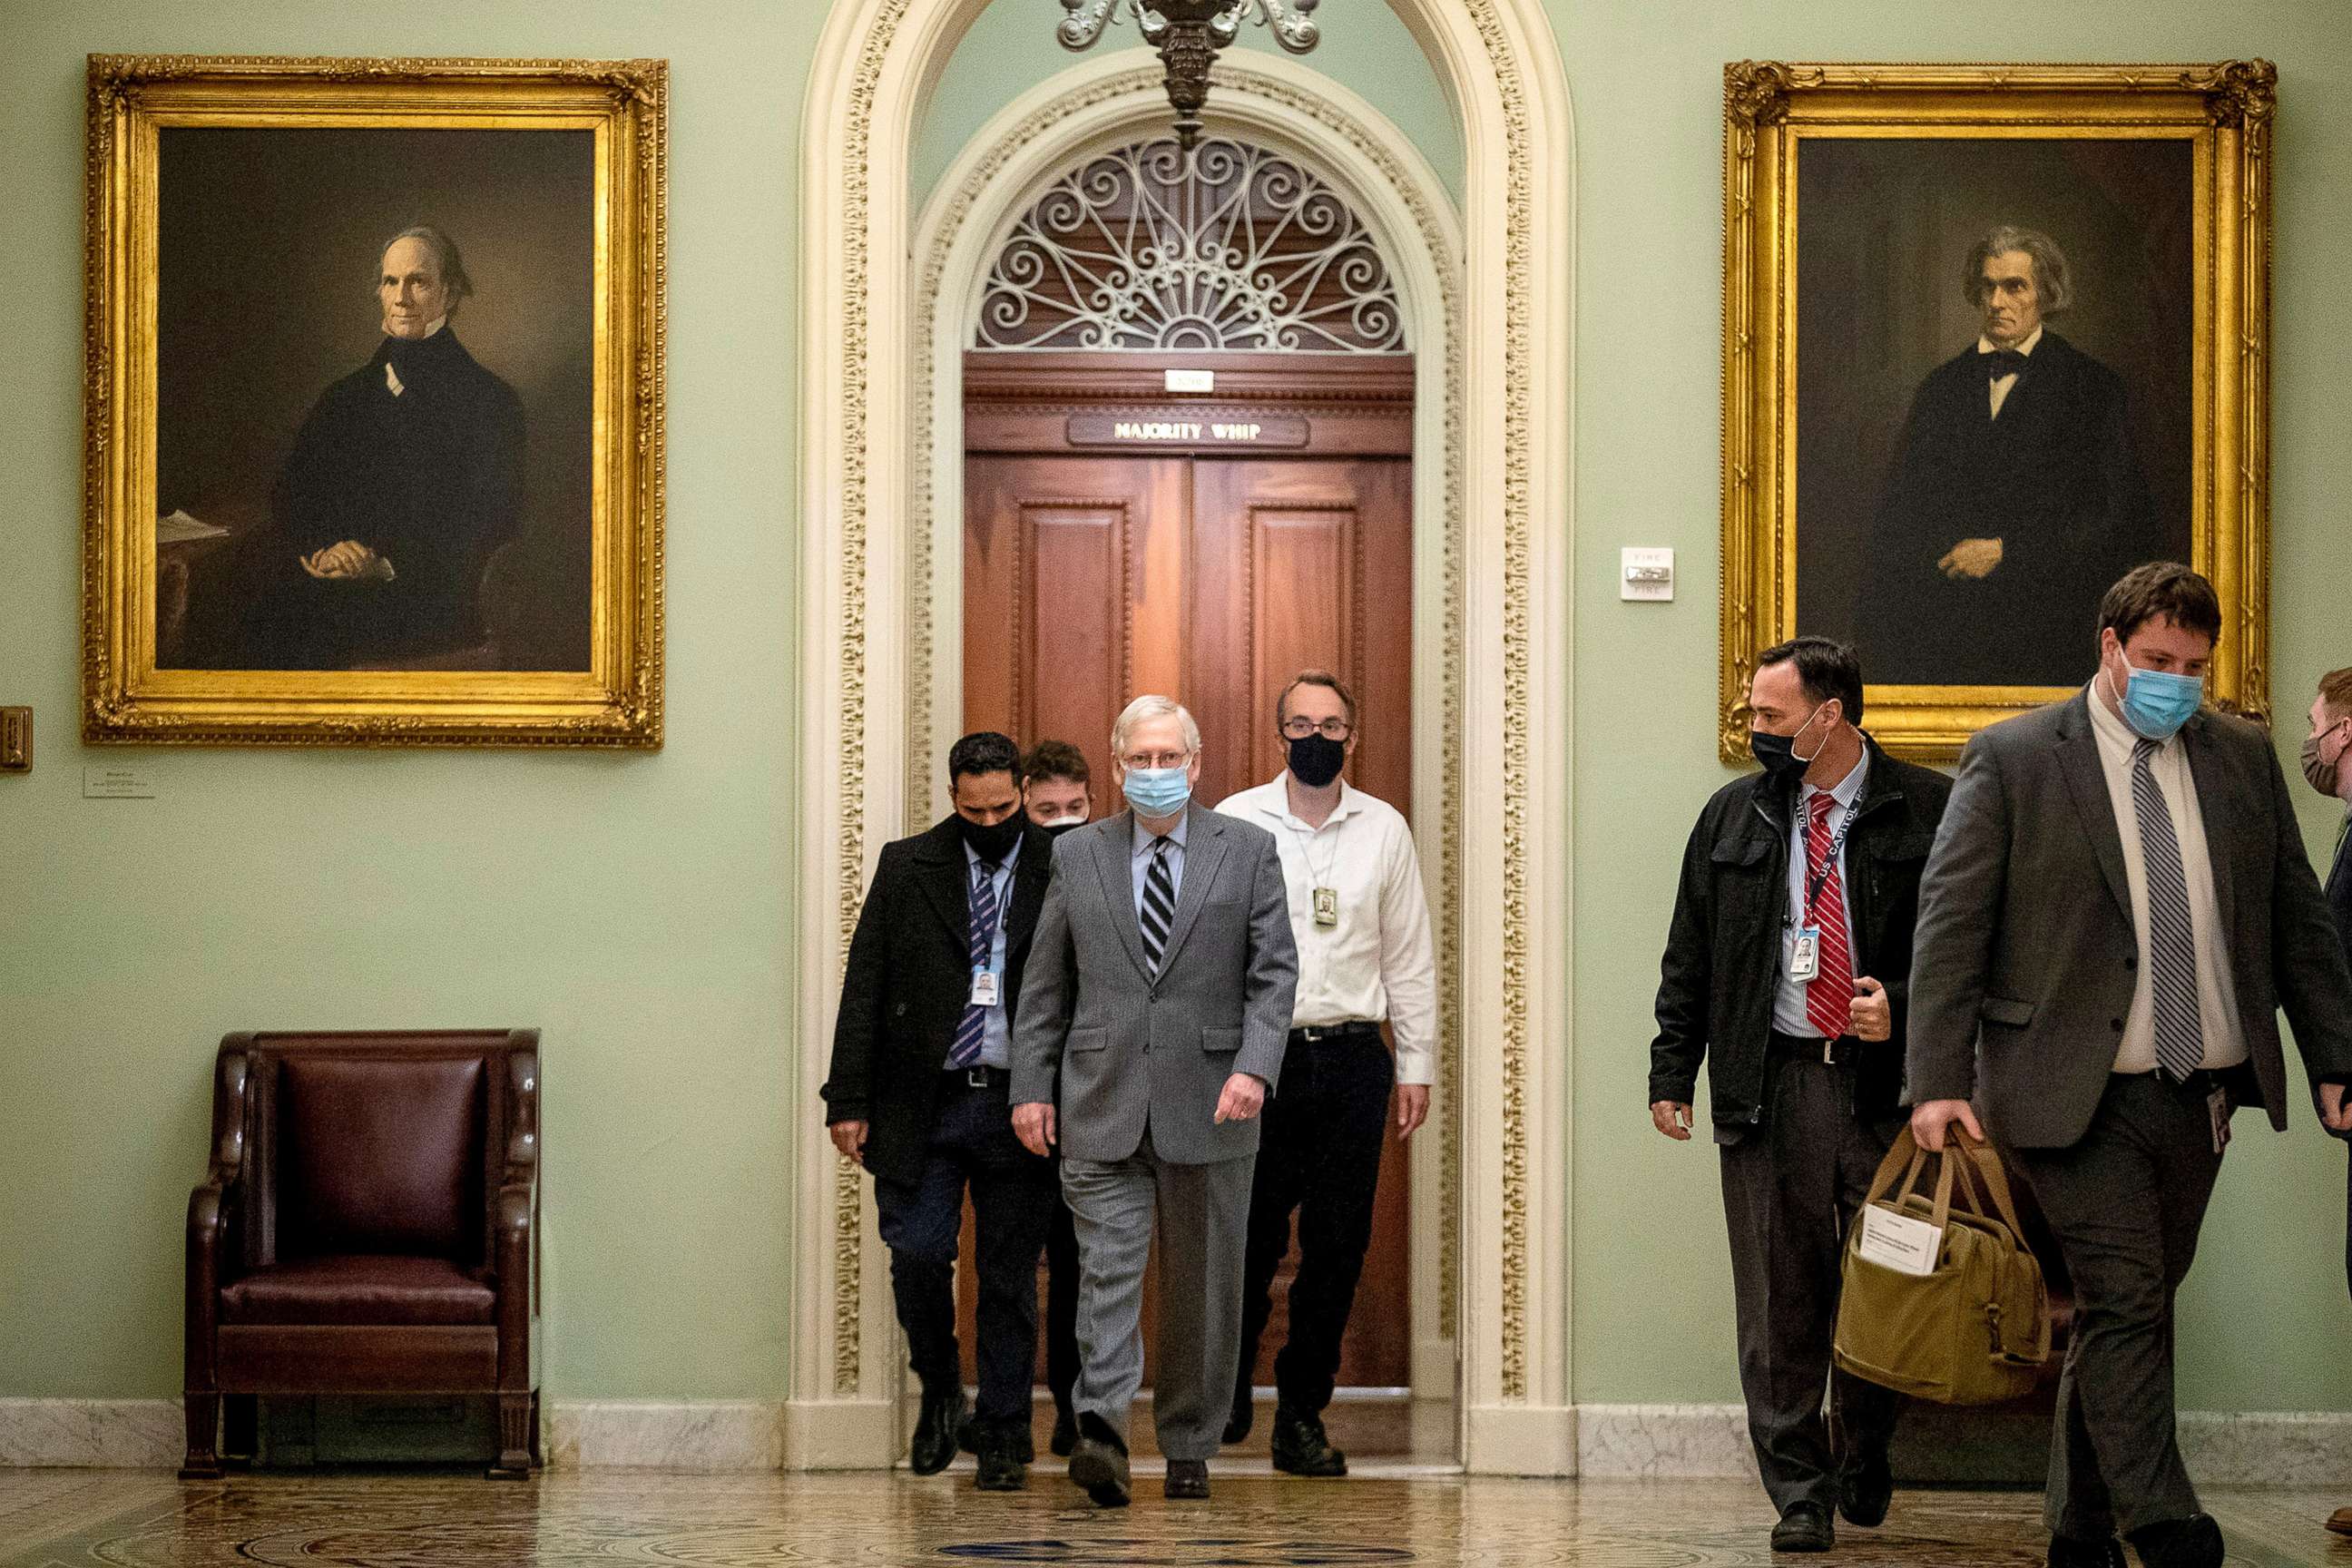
(1897, 1179)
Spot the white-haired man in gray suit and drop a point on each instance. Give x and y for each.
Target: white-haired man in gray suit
(1152, 1021)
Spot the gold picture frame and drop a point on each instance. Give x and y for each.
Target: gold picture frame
(239, 210)
(2162, 172)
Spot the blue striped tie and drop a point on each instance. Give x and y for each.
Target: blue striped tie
(1158, 906)
(972, 1029)
(2171, 939)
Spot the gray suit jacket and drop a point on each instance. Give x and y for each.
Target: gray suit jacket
(2025, 955)
(1099, 1036)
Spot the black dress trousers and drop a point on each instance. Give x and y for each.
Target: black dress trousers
(1320, 1158)
(973, 1146)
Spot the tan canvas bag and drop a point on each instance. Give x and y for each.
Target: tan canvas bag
(1975, 1330)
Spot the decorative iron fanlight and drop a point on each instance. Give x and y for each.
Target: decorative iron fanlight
(1188, 33)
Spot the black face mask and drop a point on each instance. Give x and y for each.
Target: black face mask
(992, 841)
(1316, 760)
(1778, 753)
(1058, 829)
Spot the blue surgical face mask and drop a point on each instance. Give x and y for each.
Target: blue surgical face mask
(2156, 703)
(1157, 792)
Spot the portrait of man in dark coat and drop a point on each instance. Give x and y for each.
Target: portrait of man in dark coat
(2015, 494)
(404, 478)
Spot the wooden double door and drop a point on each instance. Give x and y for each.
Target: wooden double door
(1212, 573)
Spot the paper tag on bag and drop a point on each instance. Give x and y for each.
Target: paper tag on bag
(1898, 1242)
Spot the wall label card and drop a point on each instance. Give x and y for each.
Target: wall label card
(117, 781)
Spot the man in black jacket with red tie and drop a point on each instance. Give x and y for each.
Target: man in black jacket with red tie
(918, 1094)
(1786, 972)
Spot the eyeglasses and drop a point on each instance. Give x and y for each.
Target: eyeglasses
(1158, 759)
(1299, 728)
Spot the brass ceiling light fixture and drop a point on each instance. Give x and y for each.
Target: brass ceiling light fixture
(1188, 34)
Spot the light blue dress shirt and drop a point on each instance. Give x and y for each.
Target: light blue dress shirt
(996, 1029)
(1139, 861)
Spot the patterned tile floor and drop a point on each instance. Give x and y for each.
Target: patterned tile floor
(62, 1519)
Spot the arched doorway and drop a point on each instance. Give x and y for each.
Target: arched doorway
(873, 675)
(1188, 449)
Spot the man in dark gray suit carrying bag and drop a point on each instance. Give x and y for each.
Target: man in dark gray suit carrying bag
(1153, 1017)
(2116, 908)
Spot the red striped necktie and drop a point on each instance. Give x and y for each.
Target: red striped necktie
(1828, 996)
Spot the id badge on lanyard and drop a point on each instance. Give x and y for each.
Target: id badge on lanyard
(1805, 962)
(983, 988)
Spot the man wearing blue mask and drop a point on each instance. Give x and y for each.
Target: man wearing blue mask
(1154, 1013)
(2116, 910)
(1784, 974)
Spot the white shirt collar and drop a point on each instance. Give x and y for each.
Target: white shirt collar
(1175, 835)
(1273, 800)
(1847, 790)
(1985, 345)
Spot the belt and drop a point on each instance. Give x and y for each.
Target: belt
(979, 1078)
(1323, 1033)
(1841, 1052)
(2202, 1082)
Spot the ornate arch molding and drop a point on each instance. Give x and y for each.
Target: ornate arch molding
(870, 675)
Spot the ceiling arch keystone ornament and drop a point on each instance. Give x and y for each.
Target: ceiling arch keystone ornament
(1189, 35)
(863, 473)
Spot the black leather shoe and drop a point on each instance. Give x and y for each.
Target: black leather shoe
(2191, 1542)
(935, 1432)
(1300, 1448)
(1806, 1527)
(1244, 1416)
(1186, 1479)
(2066, 1552)
(1065, 1433)
(1098, 1463)
(1865, 1488)
(1003, 1461)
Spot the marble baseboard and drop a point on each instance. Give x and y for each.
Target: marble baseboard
(2242, 1448)
(1657, 1442)
(2222, 1448)
(707, 1436)
(92, 1433)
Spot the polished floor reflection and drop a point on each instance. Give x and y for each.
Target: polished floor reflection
(62, 1519)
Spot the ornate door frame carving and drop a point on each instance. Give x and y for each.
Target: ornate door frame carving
(873, 655)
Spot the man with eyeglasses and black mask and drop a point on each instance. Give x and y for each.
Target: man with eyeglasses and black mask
(1361, 924)
(918, 1094)
(1786, 970)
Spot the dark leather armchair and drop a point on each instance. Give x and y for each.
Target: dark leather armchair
(369, 1225)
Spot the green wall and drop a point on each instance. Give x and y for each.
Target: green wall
(635, 907)
(1646, 76)
(638, 909)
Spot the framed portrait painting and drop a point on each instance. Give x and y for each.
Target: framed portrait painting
(374, 414)
(1993, 336)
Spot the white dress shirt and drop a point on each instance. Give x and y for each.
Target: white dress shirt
(1788, 1001)
(2217, 994)
(2001, 383)
(1379, 961)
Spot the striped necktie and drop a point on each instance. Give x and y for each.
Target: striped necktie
(1158, 906)
(972, 1029)
(2171, 939)
(1828, 996)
